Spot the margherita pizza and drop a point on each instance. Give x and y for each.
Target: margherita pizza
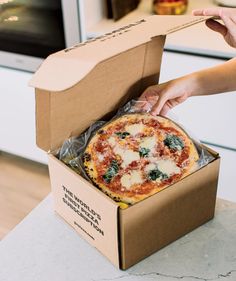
(137, 155)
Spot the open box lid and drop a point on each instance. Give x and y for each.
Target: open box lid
(66, 68)
(81, 84)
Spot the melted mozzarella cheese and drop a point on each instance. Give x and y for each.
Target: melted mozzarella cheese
(127, 155)
(168, 167)
(100, 157)
(134, 129)
(112, 141)
(149, 142)
(135, 177)
(148, 168)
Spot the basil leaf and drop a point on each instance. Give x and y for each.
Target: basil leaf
(156, 174)
(122, 135)
(111, 171)
(143, 151)
(174, 142)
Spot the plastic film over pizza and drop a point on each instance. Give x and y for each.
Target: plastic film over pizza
(134, 155)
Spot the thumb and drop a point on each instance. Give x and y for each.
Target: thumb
(216, 26)
(158, 105)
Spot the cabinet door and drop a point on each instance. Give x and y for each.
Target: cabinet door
(210, 118)
(227, 177)
(17, 115)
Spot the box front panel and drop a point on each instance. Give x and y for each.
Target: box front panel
(91, 213)
(164, 217)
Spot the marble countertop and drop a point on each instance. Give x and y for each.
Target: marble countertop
(44, 248)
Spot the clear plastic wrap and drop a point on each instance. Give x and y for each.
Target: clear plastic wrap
(72, 150)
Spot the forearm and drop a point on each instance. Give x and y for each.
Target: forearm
(214, 80)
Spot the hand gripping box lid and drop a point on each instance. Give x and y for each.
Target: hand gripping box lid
(87, 82)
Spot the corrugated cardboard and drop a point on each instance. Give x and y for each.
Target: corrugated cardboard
(153, 223)
(69, 112)
(91, 81)
(94, 78)
(88, 210)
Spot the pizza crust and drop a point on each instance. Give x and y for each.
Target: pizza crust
(129, 140)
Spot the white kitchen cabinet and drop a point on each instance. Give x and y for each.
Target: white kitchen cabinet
(227, 177)
(17, 115)
(210, 118)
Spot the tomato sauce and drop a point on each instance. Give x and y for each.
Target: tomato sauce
(155, 128)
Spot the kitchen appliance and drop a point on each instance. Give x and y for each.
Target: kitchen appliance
(30, 30)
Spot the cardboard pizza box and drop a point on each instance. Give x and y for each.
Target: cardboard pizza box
(88, 82)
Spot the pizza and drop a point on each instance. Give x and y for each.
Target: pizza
(136, 155)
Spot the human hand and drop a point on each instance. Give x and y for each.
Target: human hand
(227, 15)
(161, 98)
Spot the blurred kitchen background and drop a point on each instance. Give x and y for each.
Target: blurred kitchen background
(30, 30)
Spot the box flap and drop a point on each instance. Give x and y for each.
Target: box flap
(60, 115)
(62, 70)
(81, 84)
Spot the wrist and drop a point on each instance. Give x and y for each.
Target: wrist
(200, 83)
(193, 81)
